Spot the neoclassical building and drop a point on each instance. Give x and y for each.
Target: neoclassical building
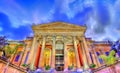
(61, 45)
(58, 45)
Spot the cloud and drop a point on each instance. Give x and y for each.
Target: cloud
(102, 22)
(1, 29)
(113, 28)
(15, 12)
(96, 15)
(21, 32)
(72, 7)
(38, 18)
(11, 32)
(102, 17)
(5, 22)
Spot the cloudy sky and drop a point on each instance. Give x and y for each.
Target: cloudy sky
(102, 17)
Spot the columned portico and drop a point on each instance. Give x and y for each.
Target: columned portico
(85, 60)
(65, 55)
(86, 50)
(76, 51)
(53, 52)
(33, 51)
(66, 50)
(41, 64)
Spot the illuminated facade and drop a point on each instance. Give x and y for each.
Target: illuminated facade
(60, 45)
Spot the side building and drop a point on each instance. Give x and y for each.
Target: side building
(19, 58)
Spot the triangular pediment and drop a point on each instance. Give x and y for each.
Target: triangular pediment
(58, 25)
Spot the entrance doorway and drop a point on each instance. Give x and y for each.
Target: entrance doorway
(59, 56)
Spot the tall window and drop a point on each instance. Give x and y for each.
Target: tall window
(17, 58)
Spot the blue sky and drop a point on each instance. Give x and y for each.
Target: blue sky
(102, 17)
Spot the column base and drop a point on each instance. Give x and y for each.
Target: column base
(32, 68)
(65, 69)
(52, 70)
(79, 70)
(86, 67)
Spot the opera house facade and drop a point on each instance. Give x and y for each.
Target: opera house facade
(60, 45)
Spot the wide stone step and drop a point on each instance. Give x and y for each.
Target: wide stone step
(65, 72)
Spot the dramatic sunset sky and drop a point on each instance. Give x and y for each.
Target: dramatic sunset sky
(102, 17)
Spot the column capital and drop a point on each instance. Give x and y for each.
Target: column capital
(44, 35)
(41, 62)
(76, 52)
(80, 41)
(37, 40)
(54, 35)
(63, 39)
(83, 38)
(73, 35)
(35, 35)
(74, 38)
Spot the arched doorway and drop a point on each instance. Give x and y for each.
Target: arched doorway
(71, 58)
(47, 55)
(59, 56)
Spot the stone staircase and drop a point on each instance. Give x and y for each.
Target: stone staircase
(12, 66)
(104, 66)
(60, 72)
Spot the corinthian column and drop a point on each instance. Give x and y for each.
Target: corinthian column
(95, 57)
(76, 52)
(53, 53)
(65, 55)
(41, 61)
(33, 52)
(84, 56)
(86, 51)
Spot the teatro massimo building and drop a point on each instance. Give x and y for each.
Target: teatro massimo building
(60, 45)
